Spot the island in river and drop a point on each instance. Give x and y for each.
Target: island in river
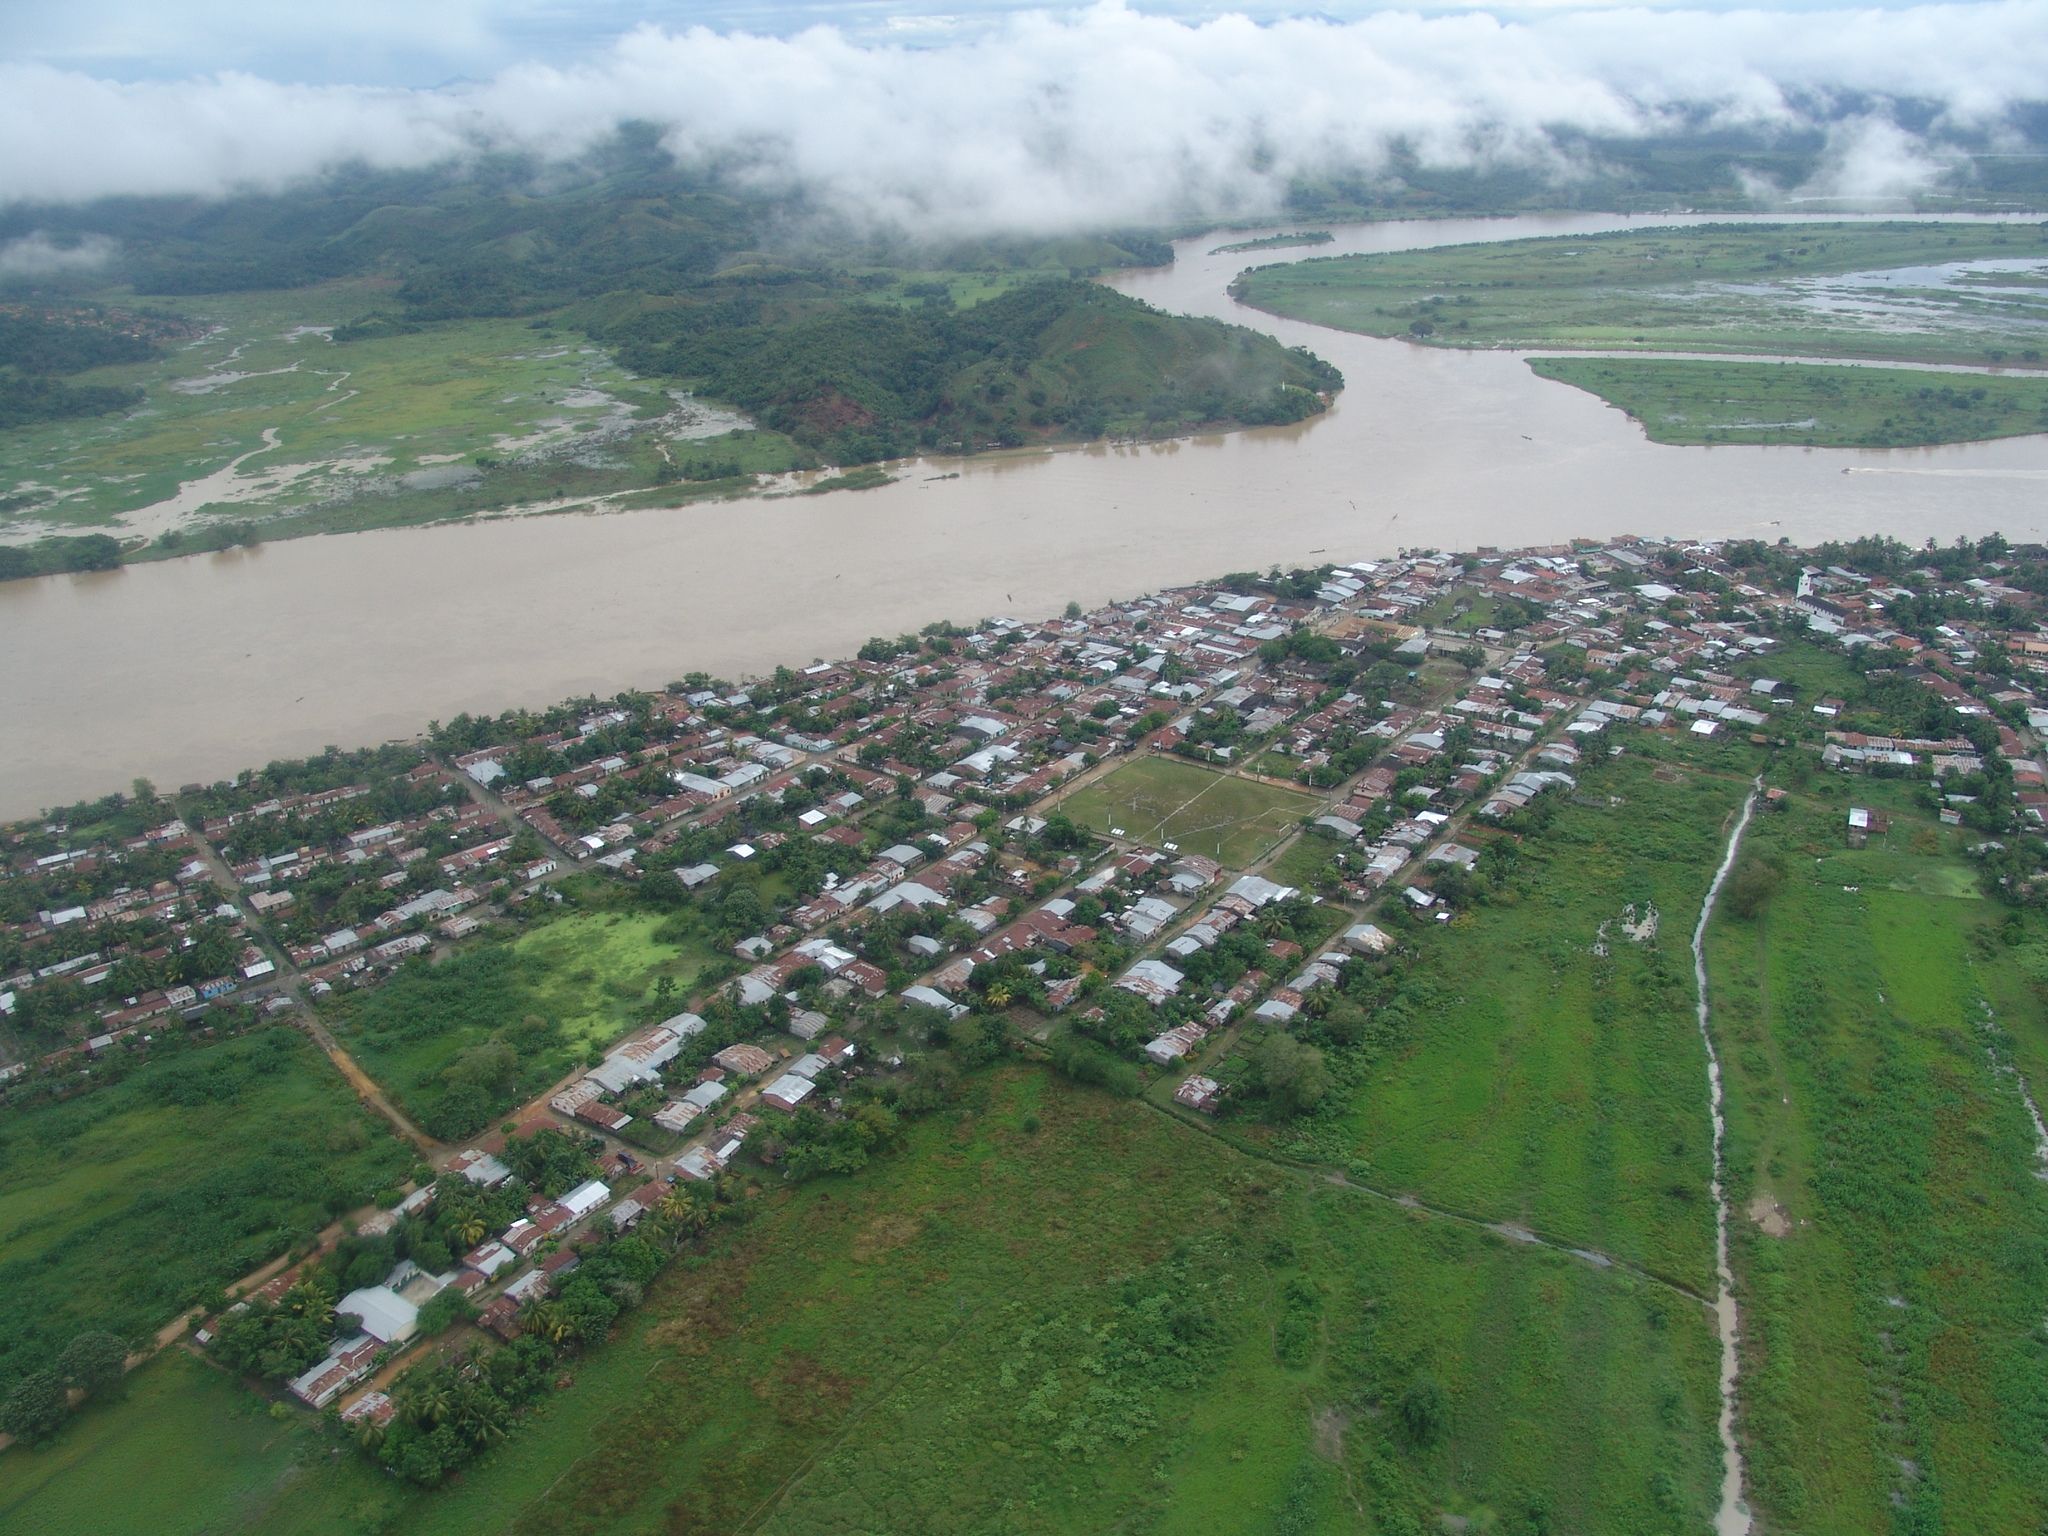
(1279, 242)
(1962, 297)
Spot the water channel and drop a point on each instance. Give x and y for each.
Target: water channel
(194, 668)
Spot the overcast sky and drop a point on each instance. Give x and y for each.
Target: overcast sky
(431, 42)
(1001, 116)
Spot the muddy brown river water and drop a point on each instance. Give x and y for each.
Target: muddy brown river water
(194, 668)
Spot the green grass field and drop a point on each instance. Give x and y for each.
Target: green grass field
(397, 428)
(1053, 1311)
(1549, 1085)
(118, 1207)
(1160, 800)
(184, 1450)
(1693, 402)
(1784, 290)
(1889, 1234)
(587, 977)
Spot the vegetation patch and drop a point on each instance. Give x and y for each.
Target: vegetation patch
(461, 1041)
(125, 1204)
(1022, 1329)
(1893, 1352)
(1889, 291)
(1694, 402)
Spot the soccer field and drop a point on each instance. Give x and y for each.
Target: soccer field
(1160, 800)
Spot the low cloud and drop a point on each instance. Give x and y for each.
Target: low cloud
(36, 255)
(1093, 118)
(1867, 162)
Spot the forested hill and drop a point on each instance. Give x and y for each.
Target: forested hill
(1049, 359)
(856, 345)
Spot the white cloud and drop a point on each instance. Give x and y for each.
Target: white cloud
(1083, 118)
(37, 255)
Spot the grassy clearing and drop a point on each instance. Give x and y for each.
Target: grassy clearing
(121, 1206)
(1771, 288)
(1106, 1320)
(1163, 800)
(1820, 407)
(1891, 1259)
(554, 994)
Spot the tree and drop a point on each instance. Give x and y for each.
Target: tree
(36, 1407)
(444, 1310)
(1073, 610)
(548, 1320)
(1291, 1074)
(491, 1068)
(93, 1361)
(94, 552)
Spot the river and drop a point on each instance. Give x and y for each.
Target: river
(191, 669)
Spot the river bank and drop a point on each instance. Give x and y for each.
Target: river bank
(190, 669)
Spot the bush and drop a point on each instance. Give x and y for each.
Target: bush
(1422, 1411)
(1750, 888)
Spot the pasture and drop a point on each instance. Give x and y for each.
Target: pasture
(404, 426)
(1956, 293)
(1889, 1225)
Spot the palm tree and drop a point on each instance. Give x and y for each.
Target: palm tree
(681, 1211)
(428, 1401)
(548, 1319)
(310, 1301)
(471, 1230)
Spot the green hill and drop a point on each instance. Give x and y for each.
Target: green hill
(1047, 360)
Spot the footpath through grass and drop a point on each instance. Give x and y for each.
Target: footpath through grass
(1694, 402)
(1891, 1240)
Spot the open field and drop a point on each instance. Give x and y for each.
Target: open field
(1895, 1368)
(184, 1450)
(1820, 407)
(565, 986)
(1049, 1305)
(1164, 800)
(1905, 292)
(120, 1206)
(1548, 1084)
(456, 417)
